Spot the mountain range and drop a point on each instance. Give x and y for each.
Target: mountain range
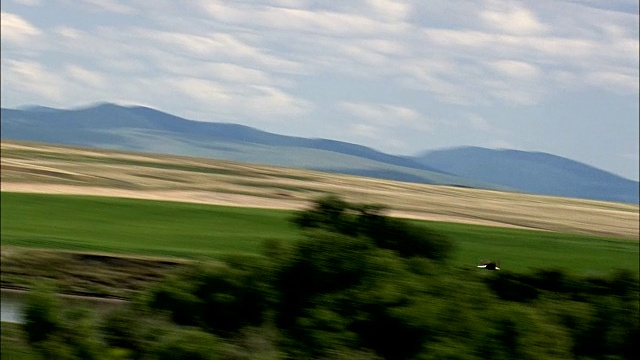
(137, 128)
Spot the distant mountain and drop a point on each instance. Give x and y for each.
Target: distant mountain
(533, 172)
(144, 129)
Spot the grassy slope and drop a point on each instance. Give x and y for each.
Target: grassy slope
(137, 226)
(206, 231)
(523, 250)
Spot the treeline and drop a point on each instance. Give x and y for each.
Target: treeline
(357, 285)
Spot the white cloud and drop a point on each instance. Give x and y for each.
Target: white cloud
(613, 81)
(389, 9)
(524, 57)
(69, 33)
(516, 69)
(351, 39)
(364, 131)
(15, 29)
(86, 77)
(234, 73)
(512, 19)
(248, 59)
(630, 6)
(220, 46)
(207, 92)
(382, 124)
(273, 104)
(255, 102)
(114, 6)
(31, 78)
(386, 115)
(325, 22)
(479, 123)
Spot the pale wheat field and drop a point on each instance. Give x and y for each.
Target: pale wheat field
(30, 167)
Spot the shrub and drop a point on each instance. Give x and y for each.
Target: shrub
(41, 313)
(188, 344)
(78, 330)
(512, 287)
(231, 298)
(121, 329)
(59, 333)
(323, 262)
(175, 295)
(336, 215)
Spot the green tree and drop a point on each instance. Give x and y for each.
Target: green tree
(333, 214)
(79, 331)
(41, 313)
(232, 297)
(57, 332)
(188, 344)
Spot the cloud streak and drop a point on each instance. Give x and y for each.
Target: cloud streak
(17, 30)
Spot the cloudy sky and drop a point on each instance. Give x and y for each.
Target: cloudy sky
(399, 76)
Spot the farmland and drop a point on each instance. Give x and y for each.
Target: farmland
(90, 200)
(28, 167)
(114, 224)
(83, 200)
(196, 231)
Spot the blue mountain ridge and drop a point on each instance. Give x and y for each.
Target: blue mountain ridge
(533, 172)
(139, 128)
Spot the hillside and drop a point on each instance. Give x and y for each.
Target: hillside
(44, 168)
(143, 129)
(533, 172)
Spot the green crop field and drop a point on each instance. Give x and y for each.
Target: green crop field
(159, 228)
(523, 250)
(137, 226)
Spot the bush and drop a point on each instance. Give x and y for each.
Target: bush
(231, 298)
(513, 287)
(79, 331)
(221, 299)
(407, 239)
(59, 333)
(41, 314)
(188, 344)
(175, 295)
(336, 215)
(322, 263)
(121, 329)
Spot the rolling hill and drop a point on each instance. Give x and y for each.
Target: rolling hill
(144, 129)
(533, 172)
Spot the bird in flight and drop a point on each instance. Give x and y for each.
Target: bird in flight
(489, 265)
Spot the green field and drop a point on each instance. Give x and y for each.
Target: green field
(158, 228)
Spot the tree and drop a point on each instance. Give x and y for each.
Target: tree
(41, 313)
(333, 214)
(58, 333)
(188, 344)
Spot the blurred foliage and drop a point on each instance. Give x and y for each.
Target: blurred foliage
(57, 332)
(357, 285)
(41, 313)
(407, 239)
(188, 344)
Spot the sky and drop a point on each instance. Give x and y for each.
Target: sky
(402, 77)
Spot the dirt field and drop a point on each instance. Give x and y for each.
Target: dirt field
(70, 170)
